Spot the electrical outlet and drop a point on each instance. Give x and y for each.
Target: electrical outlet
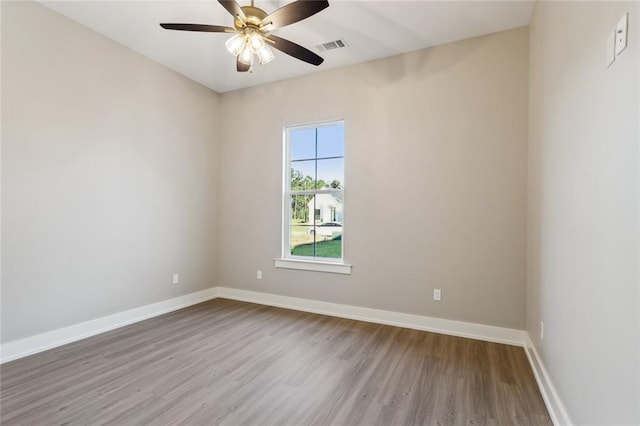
(259, 275)
(541, 330)
(176, 278)
(437, 294)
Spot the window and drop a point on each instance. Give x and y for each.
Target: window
(313, 195)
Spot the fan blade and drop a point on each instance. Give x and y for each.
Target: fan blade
(198, 27)
(294, 12)
(295, 50)
(234, 9)
(240, 67)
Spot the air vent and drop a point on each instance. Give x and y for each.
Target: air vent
(331, 45)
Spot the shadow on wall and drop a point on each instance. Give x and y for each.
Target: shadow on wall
(421, 64)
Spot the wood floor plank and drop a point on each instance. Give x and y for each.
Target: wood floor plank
(225, 362)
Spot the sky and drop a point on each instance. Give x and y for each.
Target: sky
(330, 143)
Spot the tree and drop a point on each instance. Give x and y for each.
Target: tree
(299, 203)
(296, 177)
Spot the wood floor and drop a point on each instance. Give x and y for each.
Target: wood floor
(228, 362)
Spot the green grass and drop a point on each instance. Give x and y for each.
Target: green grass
(331, 248)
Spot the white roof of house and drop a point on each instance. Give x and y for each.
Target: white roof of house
(326, 199)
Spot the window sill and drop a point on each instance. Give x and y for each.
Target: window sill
(314, 265)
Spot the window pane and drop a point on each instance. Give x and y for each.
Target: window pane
(303, 175)
(331, 141)
(321, 236)
(303, 144)
(300, 227)
(331, 173)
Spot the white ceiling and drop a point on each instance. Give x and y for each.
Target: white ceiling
(372, 29)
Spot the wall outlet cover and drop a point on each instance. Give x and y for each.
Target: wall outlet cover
(437, 294)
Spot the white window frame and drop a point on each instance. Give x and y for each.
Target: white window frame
(309, 263)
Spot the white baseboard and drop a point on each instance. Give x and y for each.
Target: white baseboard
(418, 322)
(51, 339)
(555, 407)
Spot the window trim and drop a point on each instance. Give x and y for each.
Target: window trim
(313, 265)
(309, 263)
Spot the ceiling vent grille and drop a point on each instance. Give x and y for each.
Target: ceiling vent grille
(331, 45)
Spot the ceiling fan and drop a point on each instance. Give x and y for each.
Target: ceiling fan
(252, 31)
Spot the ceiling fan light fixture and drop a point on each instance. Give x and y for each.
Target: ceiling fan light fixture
(246, 55)
(235, 44)
(265, 55)
(256, 41)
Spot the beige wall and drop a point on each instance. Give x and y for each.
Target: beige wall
(435, 181)
(583, 238)
(109, 176)
(117, 172)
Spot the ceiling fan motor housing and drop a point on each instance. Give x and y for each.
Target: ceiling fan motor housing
(254, 17)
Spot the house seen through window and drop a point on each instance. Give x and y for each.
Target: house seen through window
(314, 202)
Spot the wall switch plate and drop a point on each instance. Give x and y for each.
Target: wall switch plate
(437, 294)
(259, 275)
(621, 34)
(176, 278)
